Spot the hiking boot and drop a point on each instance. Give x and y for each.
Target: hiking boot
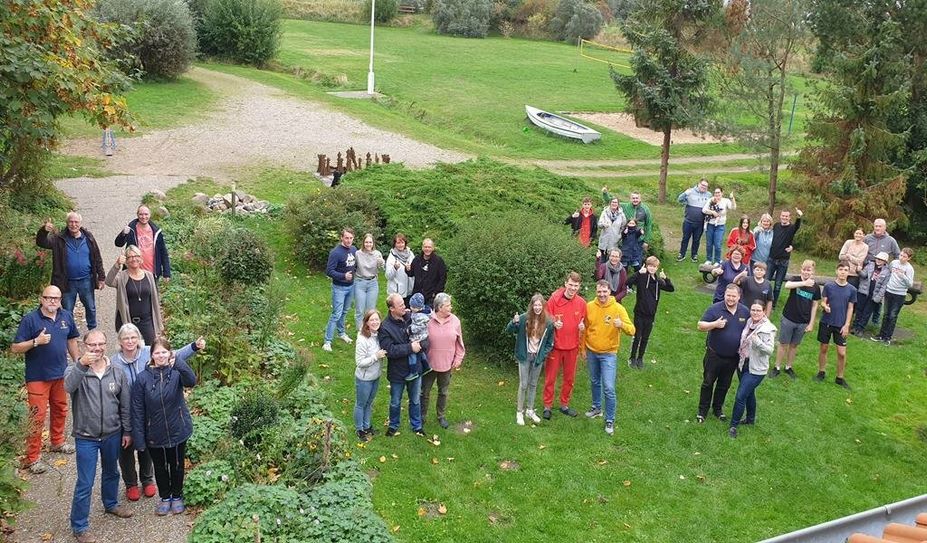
(120, 511)
(594, 412)
(732, 432)
(37, 468)
(520, 418)
(791, 373)
(327, 346)
(547, 413)
(774, 373)
(609, 427)
(64, 448)
(842, 382)
(680, 258)
(442, 422)
(85, 537)
(568, 411)
(390, 432)
(533, 416)
(820, 376)
(133, 493)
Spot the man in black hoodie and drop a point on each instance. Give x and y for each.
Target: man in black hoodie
(430, 272)
(780, 250)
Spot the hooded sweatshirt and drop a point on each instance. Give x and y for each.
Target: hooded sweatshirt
(757, 346)
(571, 311)
(601, 335)
(648, 292)
(100, 405)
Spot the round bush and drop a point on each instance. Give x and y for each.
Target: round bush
(468, 18)
(246, 31)
(247, 259)
(163, 38)
(315, 221)
(535, 256)
(576, 19)
(386, 10)
(254, 413)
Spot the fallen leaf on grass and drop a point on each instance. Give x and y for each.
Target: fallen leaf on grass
(394, 456)
(626, 525)
(701, 478)
(394, 529)
(501, 383)
(686, 391)
(682, 477)
(849, 400)
(542, 447)
(421, 511)
(442, 509)
(602, 462)
(382, 459)
(627, 483)
(434, 460)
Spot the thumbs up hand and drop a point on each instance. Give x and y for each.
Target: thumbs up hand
(44, 338)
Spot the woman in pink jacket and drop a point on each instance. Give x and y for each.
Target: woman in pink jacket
(445, 354)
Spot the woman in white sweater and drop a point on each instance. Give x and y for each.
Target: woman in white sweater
(756, 345)
(368, 357)
(399, 278)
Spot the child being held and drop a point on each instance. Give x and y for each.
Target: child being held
(418, 331)
(632, 245)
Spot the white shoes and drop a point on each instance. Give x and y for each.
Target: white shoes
(520, 418)
(327, 346)
(346, 338)
(533, 416)
(707, 263)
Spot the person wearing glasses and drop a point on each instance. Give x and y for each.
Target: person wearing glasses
(137, 298)
(46, 336)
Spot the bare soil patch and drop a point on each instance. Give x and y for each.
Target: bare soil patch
(624, 123)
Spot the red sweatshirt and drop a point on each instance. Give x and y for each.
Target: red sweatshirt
(571, 312)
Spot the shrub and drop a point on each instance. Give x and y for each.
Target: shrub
(467, 18)
(14, 418)
(246, 31)
(344, 11)
(23, 272)
(254, 413)
(576, 19)
(163, 37)
(208, 483)
(214, 400)
(386, 10)
(209, 432)
(535, 257)
(246, 259)
(315, 220)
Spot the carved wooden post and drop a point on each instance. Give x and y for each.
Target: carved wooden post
(327, 169)
(321, 164)
(340, 164)
(369, 160)
(376, 158)
(385, 159)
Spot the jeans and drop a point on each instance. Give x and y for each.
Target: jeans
(528, 374)
(714, 235)
(365, 392)
(444, 383)
(693, 230)
(396, 389)
(863, 309)
(717, 373)
(45, 396)
(168, 466)
(127, 464)
(746, 397)
(776, 269)
(86, 451)
(84, 289)
(603, 370)
(366, 292)
(893, 303)
(341, 301)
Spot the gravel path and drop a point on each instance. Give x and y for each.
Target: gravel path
(253, 124)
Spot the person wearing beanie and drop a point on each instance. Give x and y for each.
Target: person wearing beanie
(419, 316)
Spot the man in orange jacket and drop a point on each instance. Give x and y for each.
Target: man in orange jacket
(568, 309)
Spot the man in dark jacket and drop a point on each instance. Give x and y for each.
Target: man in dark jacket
(394, 339)
(77, 267)
(100, 408)
(146, 235)
(780, 251)
(430, 272)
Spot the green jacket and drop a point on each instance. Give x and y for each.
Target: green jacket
(629, 213)
(521, 340)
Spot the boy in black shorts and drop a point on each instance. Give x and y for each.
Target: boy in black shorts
(837, 301)
(797, 316)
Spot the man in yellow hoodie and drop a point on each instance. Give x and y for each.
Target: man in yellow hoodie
(605, 320)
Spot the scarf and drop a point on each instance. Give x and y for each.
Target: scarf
(613, 215)
(613, 275)
(745, 340)
(402, 256)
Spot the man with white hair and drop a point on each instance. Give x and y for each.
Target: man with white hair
(880, 241)
(77, 267)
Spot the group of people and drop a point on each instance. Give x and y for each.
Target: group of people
(128, 409)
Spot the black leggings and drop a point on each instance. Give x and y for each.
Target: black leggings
(643, 326)
(168, 468)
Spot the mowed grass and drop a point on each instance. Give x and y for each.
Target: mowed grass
(818, 452)
(154, 104)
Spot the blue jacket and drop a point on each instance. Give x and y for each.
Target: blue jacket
(162, 263)
(160, 417)
(134, 368)
(394, 339)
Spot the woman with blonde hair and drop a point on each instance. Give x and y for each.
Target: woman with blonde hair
(137, 298)
(534, 338)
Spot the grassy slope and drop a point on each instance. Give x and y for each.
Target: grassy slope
(817, 453)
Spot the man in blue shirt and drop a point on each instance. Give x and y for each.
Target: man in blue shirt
(837, 300)
(77, 267)
(340, 267)
(724, 321)
(47, 336)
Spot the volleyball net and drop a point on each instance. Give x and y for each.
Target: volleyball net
(599, 52)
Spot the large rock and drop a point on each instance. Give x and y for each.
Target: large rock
(200, 199)
(158, 194)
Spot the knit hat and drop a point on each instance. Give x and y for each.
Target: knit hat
(417, 301)
(883, 256)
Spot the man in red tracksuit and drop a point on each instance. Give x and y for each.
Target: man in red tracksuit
(567, 309)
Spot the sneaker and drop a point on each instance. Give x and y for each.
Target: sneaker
(442, 422)
(390, 432)
(593, 413)
(133, 493)
(640, 363)
(149, 489)
(774, 373)
(887, 342)
(327, 346)
(716, 264)
(695, 259)
(820, 376)
(520, 418)
(362, 435)
(177, 506)
(85, 537)
(568, 411)
(420, 432)
(547, 413)
(64, 448)
(370, 432)
(346, 338)
(680, 258)
(700, 419)
(412, 376)
(721, 416)
(164, 507)
(877, 339)
(533, 416)
(745, 422)
(609, 427)
(632, 362)
(732, 432)
(37, 468)
(707, 263)
(120, 511)
(842, 382)
(791, 373)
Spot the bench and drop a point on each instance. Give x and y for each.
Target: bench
(914, 290)
(406, 8)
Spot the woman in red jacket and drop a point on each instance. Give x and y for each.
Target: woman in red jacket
(742, 237)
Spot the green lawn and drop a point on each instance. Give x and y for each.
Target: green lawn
(155, 104)
(817, 452)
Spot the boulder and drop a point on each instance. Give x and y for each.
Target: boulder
(200, 199)
(162, 212)
(158, 194)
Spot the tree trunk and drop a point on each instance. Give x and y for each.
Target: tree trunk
(664, 163)
(777, 97)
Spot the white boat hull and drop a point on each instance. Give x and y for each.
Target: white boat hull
(561, 126)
